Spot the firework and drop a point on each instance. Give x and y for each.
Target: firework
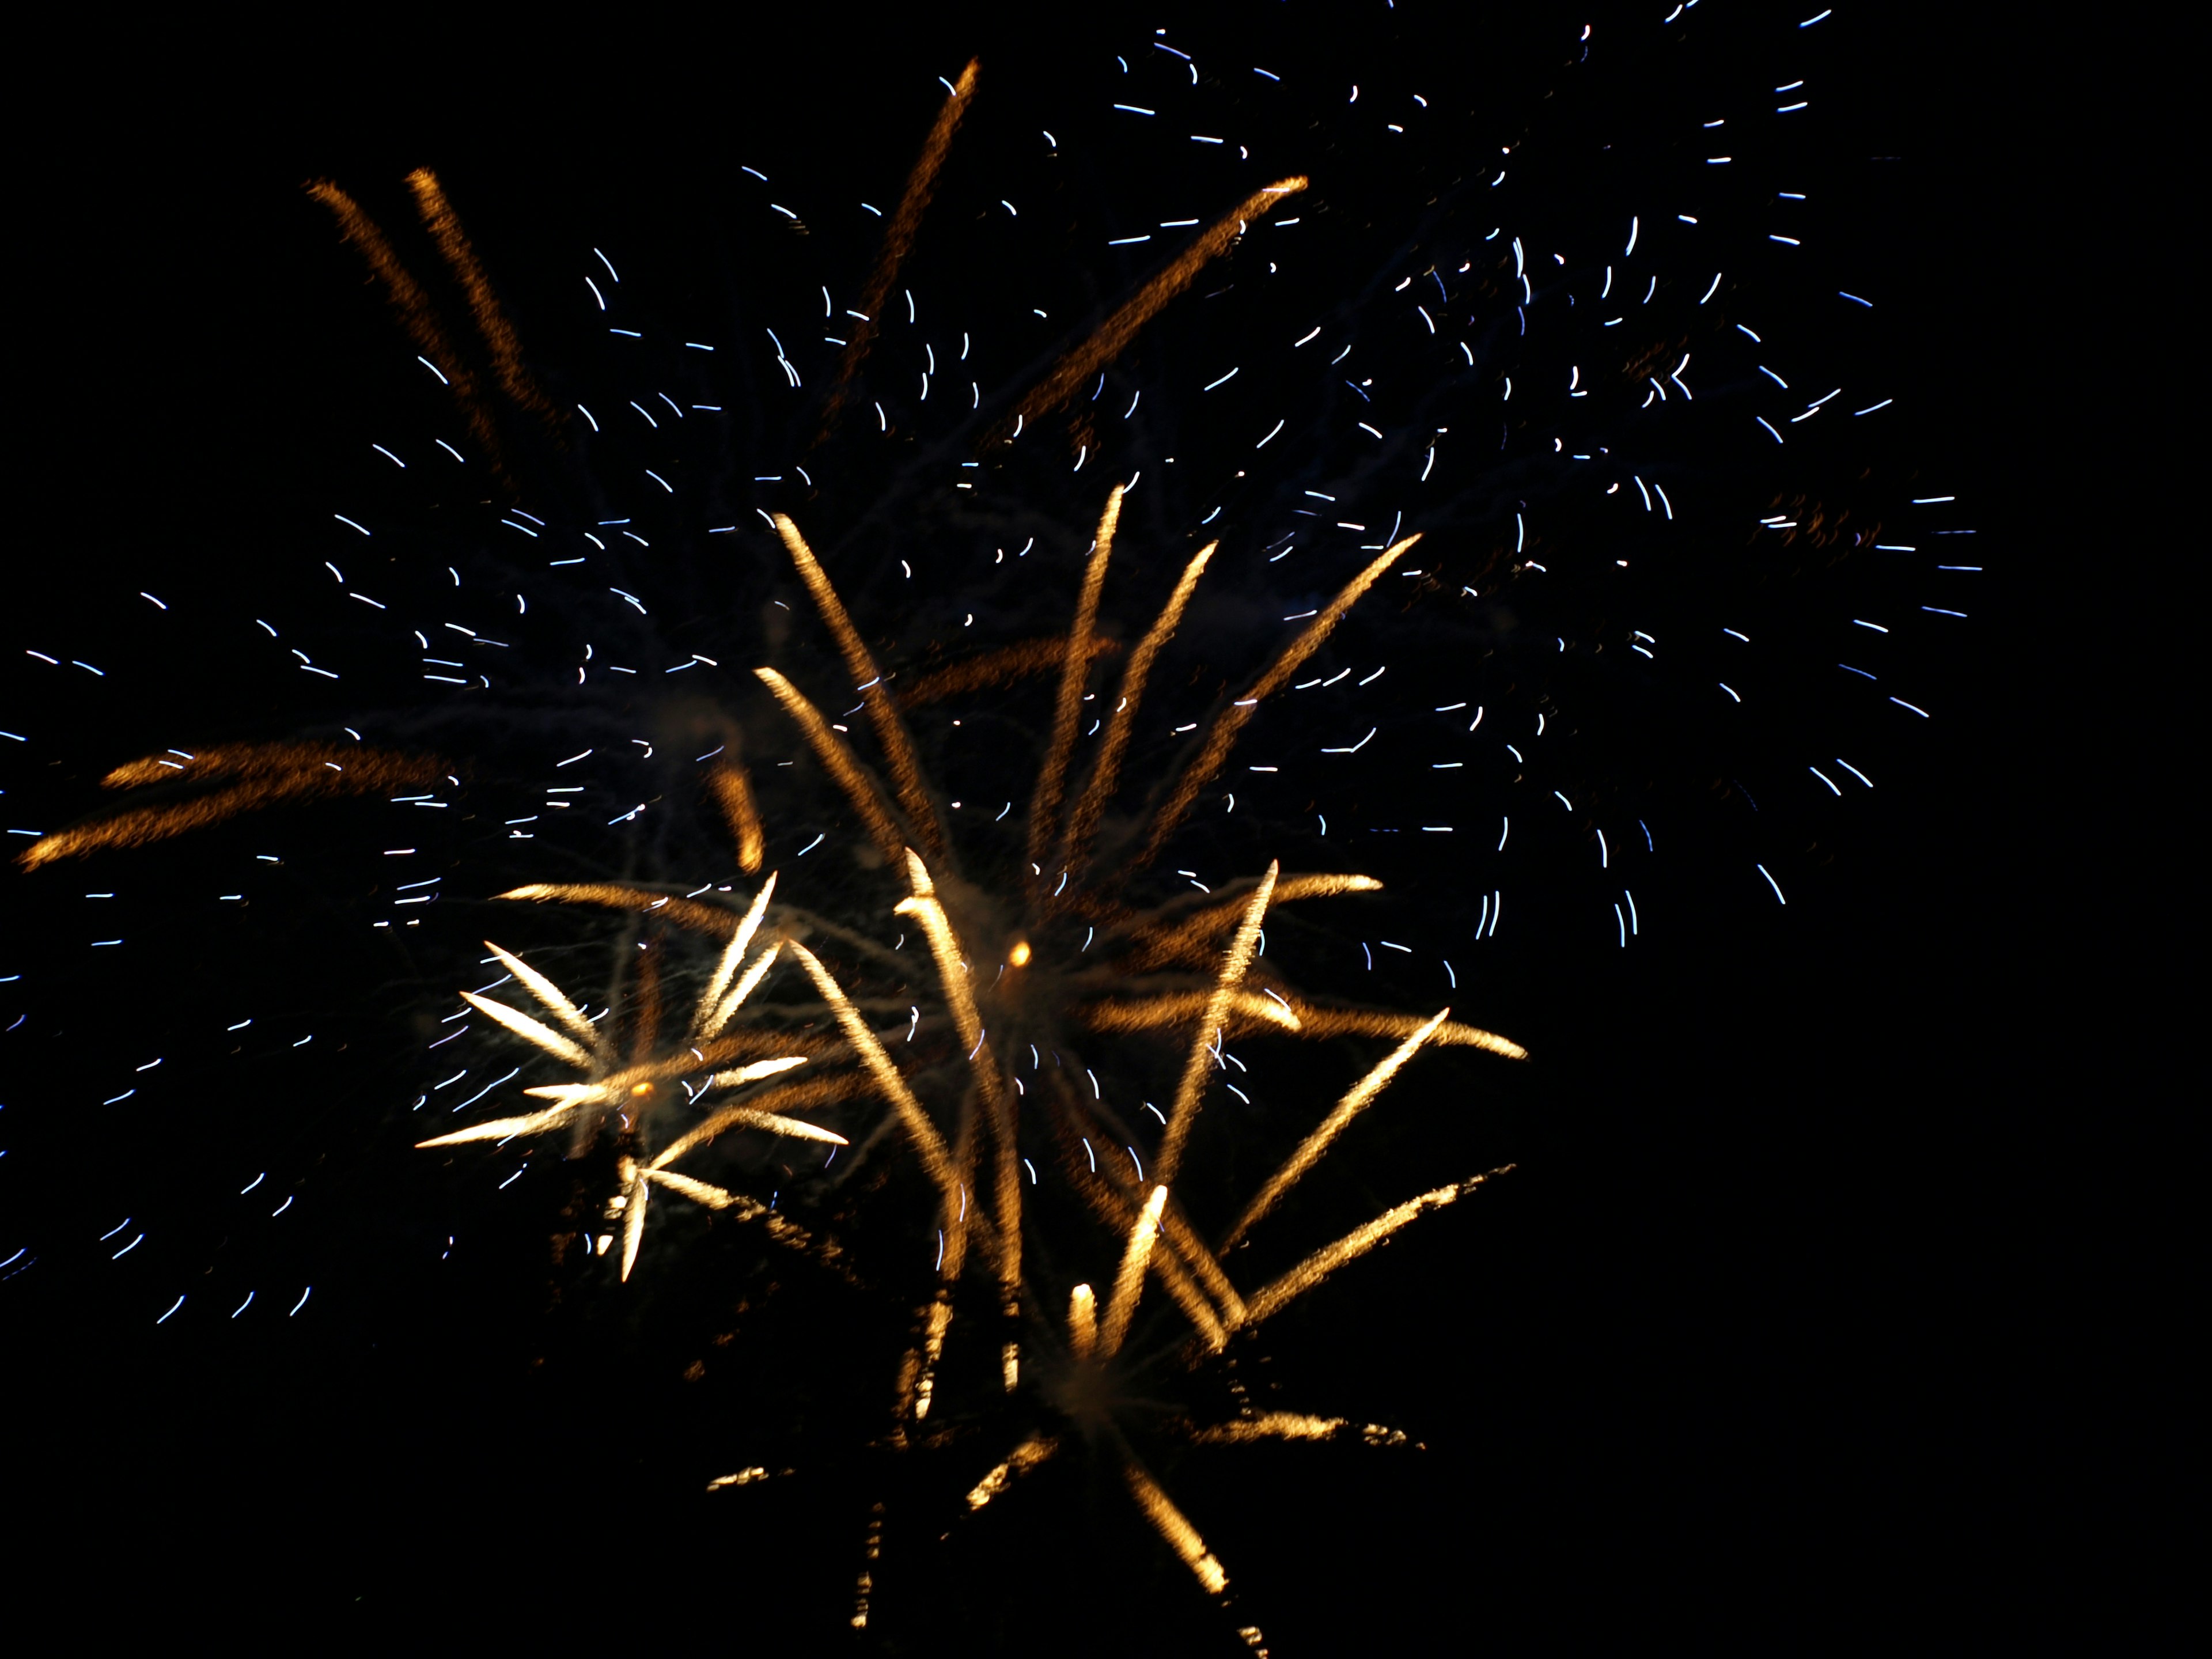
(1604, 686)
(1046, 993)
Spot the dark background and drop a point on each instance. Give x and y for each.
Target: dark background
(1829, 1295)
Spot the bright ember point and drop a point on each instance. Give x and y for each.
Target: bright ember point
(1019, 955)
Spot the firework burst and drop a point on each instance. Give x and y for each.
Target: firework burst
(1570, 320)
(1163, 969)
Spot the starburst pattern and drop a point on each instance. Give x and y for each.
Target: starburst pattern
(632, 1092)
(1194, 970)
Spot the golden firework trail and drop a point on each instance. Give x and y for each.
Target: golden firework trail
(417, 313)
(251, 776)
(420, 316)
(444, 224)
(629, 1092)
(733, 793)
(899, 237)
(991, 668)
(1111, 338)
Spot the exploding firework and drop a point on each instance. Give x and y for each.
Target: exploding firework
(1051, 993)
(1541, 315)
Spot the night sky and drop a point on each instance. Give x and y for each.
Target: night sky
(1810, 1296)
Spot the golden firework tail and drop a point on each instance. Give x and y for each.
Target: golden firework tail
(815, 1091)
(994, 668)
(899, 237)
(1229, 724)
(944, 946)
(502, 1128)
(786, 1126)
(1083, 1321)
(1024, 1458)
(756, 1072)
(730, 1004)
(348, 768)
(1361, 1022)
(1190, 1249)
(260, 775)
(733, 791)
(1120, 1214)
(1354, 1244)
(732, 956)
(699, 1192)
(640, 1079)
(498, 334)
(417, 314)
(551, 996)
(1355, 1100)
(529, 1029)
(1167, 1521)
(1128, 1283)
(1067, 714)
(1083, 821)
(1293, 1425)
(868, 681)
(1187, 1255)
(952, 972)
(934, 1159)
(709, 919)
(840, 762)
(1233, 964)
(1191, 939)
(1112, 336)
(745, 1209)
(633, 1203)
(918, 1375)
(1243, 1010)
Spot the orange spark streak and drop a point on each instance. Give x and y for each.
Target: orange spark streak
(1128, 1283)
(1172, 1008)
(990, 668)
(868, 680)
(931, 1144)
(1229, 724)
(709, 919)
(841, 765)
(1186, 1253)
(1024, 1458)
(952, 974)
(1112, 336)
(1355, 1100)
(1361, 1022)
(899, 235)
(1083, 1321)
(1191, 939)
(491, 322)
(1044, 804)
(815, 1091)
(733, 793)
(726, 1010)
(264, 774)
(1083, 821)
(1233, 964)
(1354, 1244)
(417, 314)
(1293, 1425)
(1167, 1521)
